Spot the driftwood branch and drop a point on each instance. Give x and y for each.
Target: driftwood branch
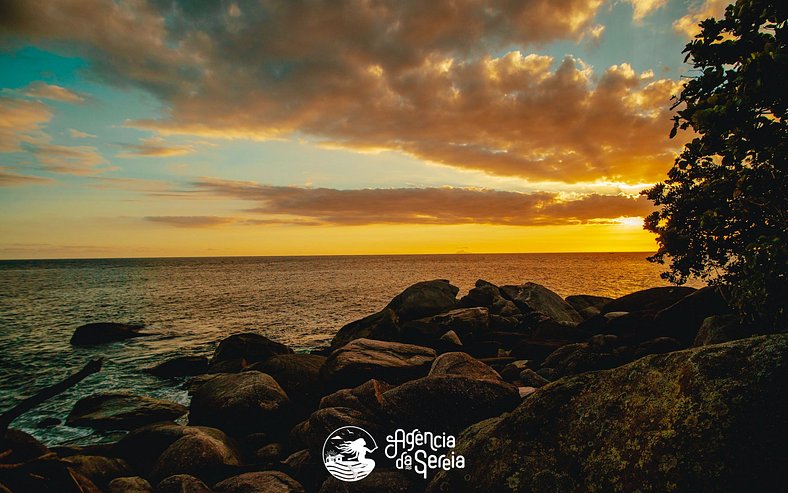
(7, 417)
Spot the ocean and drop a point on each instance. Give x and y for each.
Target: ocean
(192, 303)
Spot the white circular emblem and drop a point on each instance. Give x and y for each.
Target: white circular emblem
(345, 453)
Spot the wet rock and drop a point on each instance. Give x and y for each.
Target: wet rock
(364, 359)
(104, 332)
(182, 366)
(122, 411)
(531, 297)
(461, 364)
(378, 481)
(691, 420)
(721, 328)
(447, 403)
(131, 484)
(241, 403)
(603, 342)
(240, 350)
(530, 378)
(201, 453)
(142, 446)
(100, 470)
(648, 299)
(548, 329)
(381, 326)
(365, 398)
(632, 327)
(267, 481)
(192, 384)
(182, 483)
(297, 374)
(587, 305)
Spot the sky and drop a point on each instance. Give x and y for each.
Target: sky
(147, 128)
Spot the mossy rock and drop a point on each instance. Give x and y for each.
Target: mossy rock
(710, 419)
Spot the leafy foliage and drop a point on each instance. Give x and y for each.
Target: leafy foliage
(723, 207)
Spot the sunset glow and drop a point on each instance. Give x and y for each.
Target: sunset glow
(140, 128)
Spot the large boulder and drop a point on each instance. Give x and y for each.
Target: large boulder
(297, 374)
(363, 359)
(306, 469)
(682, 319)
(463, 365)
(241, 403)
(424, 299)
(533, 298)
(447, 402)
(467, 323)
(122, 411)
(239, 350)
(721, 328)
(201, 453)
(104, 332)
(181, 366)
(648, 299)
(581, 357)
(421, 300)
(382, 326)
(253, 482)
(711, 419)
(587, 305)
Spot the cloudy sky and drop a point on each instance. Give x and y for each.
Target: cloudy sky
(261, 127)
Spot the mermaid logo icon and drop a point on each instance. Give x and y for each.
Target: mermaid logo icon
(345, 453)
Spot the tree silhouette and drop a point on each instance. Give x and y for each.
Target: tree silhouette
(723, 206)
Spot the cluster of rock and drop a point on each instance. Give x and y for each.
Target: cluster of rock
(640, 393)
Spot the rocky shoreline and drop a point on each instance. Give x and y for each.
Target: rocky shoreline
(659, 390)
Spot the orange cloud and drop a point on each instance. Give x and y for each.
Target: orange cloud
(155, 147)
(688, 24)
(22, 122)
(75, 160)
(43, 90)
(295, 205)
(191, 221)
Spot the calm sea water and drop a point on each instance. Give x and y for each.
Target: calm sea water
(192, 303)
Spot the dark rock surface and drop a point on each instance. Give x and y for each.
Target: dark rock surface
(104, 332)
(587, 305)
(648, 299)
(711, 419)
(240, 350)
(535, 298)
(241, 403)
(379, 481)
(363, 359)
(462, 365)
(200, 453)
(122, 411)
(182, 483)
(100, 470)
(297, 374)
(130, 484)
(721, 328)
(447, 403)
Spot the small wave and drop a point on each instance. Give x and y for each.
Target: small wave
(348, 471)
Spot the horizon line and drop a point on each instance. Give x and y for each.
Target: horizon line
(173, 257)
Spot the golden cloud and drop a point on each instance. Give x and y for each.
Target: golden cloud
(298, 205)
(43, 90)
